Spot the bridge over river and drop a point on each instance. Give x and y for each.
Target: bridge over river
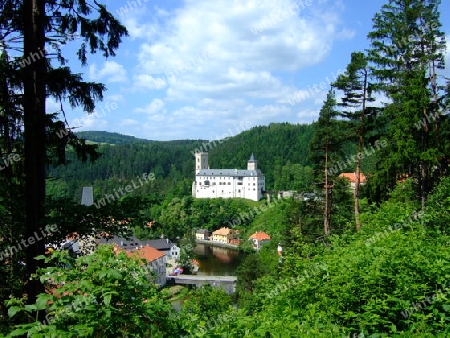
(228, 283)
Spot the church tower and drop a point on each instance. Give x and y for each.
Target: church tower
(252, 164)
(201, 161)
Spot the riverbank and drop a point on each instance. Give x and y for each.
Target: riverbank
(218, 244)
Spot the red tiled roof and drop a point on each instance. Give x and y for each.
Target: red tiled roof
(260, 236)
(352, 177)
(147, 252)
(222, 231)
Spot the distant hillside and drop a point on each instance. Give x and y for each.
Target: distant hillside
(110, 138)
(280, 148)
(274, 146)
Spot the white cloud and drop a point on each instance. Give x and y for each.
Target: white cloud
(147, 81)
(155, 106)
(128, 122)
(211, 64)
(306, 116)
(221, 56)
(111, 72)
(89, 122)
(52, 106)
(115, 98)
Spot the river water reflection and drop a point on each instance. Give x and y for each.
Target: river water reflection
(217, 261)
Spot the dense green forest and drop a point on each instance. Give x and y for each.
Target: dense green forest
(367, 261)
(109, 138)
(280, 148)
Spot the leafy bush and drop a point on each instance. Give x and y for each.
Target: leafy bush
(100, 295)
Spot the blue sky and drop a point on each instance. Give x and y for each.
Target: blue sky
(202, 69)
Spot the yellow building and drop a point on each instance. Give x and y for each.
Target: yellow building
(223, 235)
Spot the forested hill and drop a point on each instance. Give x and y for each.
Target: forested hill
(126, 157)
(110, 138)
(273, 145)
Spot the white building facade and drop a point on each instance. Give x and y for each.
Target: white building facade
(228, 183)
(158, 266)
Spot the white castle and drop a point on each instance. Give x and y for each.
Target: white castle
(227, 183)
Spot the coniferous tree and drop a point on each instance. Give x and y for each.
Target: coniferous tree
(325, 140)
(407, 50)
(49, 23)
(357, 95)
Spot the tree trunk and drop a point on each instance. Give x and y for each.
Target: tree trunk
(326, 216)
(360, 148)
(34, 134)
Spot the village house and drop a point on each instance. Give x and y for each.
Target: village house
(166, 246)
(202, 234)
(351, 177)
(227, 183)
(132, 243)
(156, 262)
(223, 235)
(259, 239)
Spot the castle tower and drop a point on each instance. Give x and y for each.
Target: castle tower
(201, 161)
(252, 164)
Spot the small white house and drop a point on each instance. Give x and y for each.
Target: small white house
(202, 234)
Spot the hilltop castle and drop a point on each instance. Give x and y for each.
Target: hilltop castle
(227, 183)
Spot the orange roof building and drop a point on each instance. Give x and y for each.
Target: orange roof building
(147, 252)
(223, 235)
(259, 238)
(352, 178)
(156, 260)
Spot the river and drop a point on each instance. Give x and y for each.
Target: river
(217, 261)
(214, 261)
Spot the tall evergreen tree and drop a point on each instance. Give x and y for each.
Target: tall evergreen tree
(51, 23)
(407, 50)
(357, 94)
(325, 140)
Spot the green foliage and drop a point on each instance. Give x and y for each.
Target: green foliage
(110, 138)
(181, 216)
(408, 48)
(326, 138)
(207, 302)
(271, 219)
(255, 266)
(104, 294)
(389, 279)
(172, 162)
